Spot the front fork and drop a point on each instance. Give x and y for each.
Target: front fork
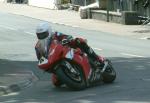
(97, 74)
(105, 66)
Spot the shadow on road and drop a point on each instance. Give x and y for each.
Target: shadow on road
(12, 67)
(132, 85)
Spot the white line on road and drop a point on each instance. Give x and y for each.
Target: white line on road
(29, 33)
(98, 49)
(66, 24)
(132, 55)
(7, 27)
(144, 38)
(130, 102)
(14, 29)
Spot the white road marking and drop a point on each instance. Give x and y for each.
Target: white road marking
(98, 49)
(11, 94)
(132, 55)
(7, 27)
(29, 33)
(130, 102)
(144, 38)
(66, 24)
(3, 86)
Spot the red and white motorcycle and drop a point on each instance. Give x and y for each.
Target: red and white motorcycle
(73, 68)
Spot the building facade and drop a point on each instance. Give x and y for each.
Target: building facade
(141, 6)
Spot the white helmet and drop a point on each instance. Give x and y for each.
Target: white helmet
(43, 30)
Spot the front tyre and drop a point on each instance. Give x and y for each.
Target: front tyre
(56, 82)
(72, 76)
(109, 75)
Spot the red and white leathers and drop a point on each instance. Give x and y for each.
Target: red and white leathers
(73, 43)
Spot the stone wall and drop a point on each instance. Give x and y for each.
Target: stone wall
(102, 15)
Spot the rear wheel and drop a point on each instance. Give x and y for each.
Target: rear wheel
(71, 75)
(109, 74)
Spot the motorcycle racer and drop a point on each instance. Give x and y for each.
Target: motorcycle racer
(45, 35)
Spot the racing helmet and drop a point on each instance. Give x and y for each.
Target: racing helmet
(43, 30)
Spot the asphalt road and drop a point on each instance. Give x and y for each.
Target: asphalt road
(129, 56)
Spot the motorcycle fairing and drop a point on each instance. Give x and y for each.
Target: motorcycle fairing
(70, 54)
(84, 63)
(59, 52)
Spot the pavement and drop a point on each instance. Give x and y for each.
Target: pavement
(15, 81)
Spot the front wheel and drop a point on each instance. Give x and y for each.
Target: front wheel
(56, 82)
(71, 75)
(109, 75)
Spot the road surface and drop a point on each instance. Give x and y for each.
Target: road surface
(130, 57)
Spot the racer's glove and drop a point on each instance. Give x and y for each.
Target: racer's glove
(43, 60)
(81, 41)
(67, 40)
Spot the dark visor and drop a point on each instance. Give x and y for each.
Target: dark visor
(42, 35)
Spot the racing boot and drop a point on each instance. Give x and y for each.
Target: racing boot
(98, 61)
(94, 58)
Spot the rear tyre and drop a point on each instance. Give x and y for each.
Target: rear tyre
(109, 74)
(73, 78)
